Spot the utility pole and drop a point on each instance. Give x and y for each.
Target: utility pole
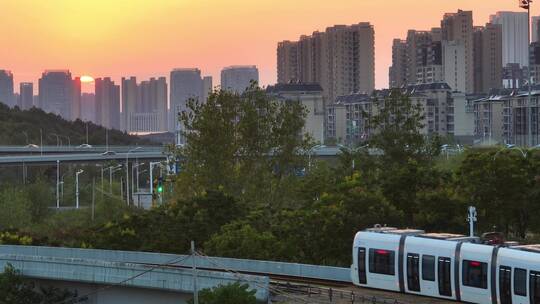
(102, 169)
(77, 188)
(121, 187)
(41, 140)
(526, 4)
(87, 133)
(93, 198)
(127, 173)
(194, 269)
(58, 184)
(110, 180)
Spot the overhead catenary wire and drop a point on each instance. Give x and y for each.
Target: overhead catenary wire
(241, 276)
(109, 286)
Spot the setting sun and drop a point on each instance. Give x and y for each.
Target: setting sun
(87, 79)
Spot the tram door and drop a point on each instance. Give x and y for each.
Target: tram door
(534, 284)
(505, 285)
(445, 281)
(413, 272)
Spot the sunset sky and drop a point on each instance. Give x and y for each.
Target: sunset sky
(150, 37)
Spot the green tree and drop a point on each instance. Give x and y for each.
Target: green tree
(405, 164)
(397, 122)
(14, 289)
(241, 240)
(246, 145)
(235, 293)
(503, 186)
(16, 208)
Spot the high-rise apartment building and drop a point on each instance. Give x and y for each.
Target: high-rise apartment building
(487, 58)
(287, 62)
(535, 29)
(76, 99)
(144, 105)
(157, 103)
(129, 100)
(7, 95)
(107, 103)
(238, 78)
(341, 60)
(56, 92)
(26, 95)
(424, 56)
(457, 38)
(186, 83)
(207, 87)
(455, 66)
(514, 37)
(397, 73)
(418, 59)
(88, 107)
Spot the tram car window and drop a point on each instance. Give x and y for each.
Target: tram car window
(428, 268)
(382, 261)
(445, 280)
(475, 274)
(520, 282)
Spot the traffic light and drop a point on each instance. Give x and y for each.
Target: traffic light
(160, 185)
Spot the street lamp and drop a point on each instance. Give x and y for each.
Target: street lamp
(62, 188)
(77, 188)
(127, 173)
(25, 135)
(111, 168)
(69, 140)
(58, 141)
(138, 184)
(111, 173)
(136, 166)
(58, 184)
(511, 147)
(526, 4)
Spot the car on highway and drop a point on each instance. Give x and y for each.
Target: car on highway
(85, 146)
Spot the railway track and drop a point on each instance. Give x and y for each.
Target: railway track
(317, 291)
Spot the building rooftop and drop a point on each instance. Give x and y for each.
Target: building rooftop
(234, 67)
(353, 98)
(294, 87)
(186, 70)
(428, 86)
(57, 71)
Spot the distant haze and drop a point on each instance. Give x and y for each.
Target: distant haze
(148, 38)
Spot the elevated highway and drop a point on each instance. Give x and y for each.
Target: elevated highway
(79, 157)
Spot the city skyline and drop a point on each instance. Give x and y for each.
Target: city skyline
(71, 36)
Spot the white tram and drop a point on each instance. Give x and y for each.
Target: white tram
(447, 266)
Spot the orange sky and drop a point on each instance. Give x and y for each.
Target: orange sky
(150, 37)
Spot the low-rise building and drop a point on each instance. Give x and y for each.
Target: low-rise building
(503, 117)
(446, 113)
(310, 95)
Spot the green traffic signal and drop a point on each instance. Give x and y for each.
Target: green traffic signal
(160, 189)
